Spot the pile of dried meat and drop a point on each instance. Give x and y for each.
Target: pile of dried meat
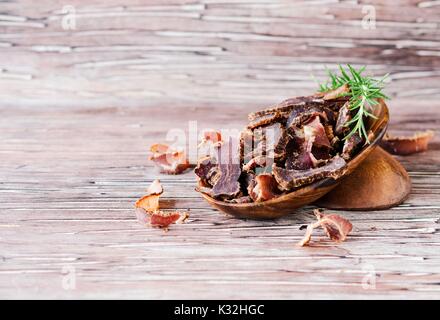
(283, 148)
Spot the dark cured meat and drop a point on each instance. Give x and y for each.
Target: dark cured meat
(289, 179)
(343, 118)
(301, 158)
(314, 131)
(276, 141)
(303, 114)
(351, 145)
(229, 168)
(266, 120)
(286, 106)
(227, 186)
(207, 171)
(265, 188)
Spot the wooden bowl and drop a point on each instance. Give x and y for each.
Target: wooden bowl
(287, 203)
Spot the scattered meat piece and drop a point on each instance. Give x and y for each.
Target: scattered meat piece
(336, 227)
(169, 160)
(336, 93)
(407, 145)
(147, 209)
(343, 117)
(159, 219)
(308, 235)
(286, 106)
(289, 179)
(351, 145)
(207, 170)
(164, 219)
(155, 188)
(265, 188)
(150, 201)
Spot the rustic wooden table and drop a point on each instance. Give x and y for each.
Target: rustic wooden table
(81, 106)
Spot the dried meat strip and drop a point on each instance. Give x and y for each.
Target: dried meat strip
(289, 179)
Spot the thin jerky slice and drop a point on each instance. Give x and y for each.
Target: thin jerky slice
(286, 106)
(336, 227)
(289, 179)
(148, 213)
(265, 188)
(407, 145)
(160, 219)
(228, 186)
(150, 201)
(336, 93)
(276, 141)
(169, 160)
(303, 114)
(266, 120)
(208, 171)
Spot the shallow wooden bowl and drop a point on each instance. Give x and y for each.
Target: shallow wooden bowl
(287, 203)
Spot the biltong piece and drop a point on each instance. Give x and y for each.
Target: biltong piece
(344, 117)
(208, 171)
(263, 188)
(286, 106)
(227, 186)
(289, 179)
(351, 145)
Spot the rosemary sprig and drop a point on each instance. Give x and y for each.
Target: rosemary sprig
(364, 92)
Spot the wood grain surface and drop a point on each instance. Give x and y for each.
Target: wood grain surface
(80, 107)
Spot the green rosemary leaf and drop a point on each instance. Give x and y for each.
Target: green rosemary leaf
(364, 92)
